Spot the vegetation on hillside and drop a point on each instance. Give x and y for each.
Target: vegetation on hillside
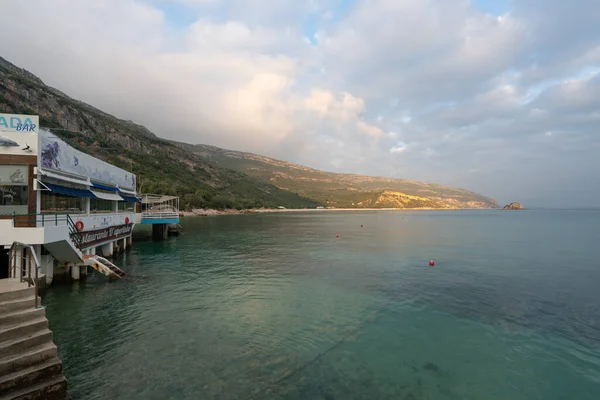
(343, 190)
(206, 176)
(160, 166)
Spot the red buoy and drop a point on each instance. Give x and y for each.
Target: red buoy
(431, 263)
(337, 236)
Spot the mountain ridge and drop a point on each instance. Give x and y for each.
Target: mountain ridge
(208, 176)
(290, 176)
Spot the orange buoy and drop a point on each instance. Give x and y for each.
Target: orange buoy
(431, 263)
(337, 236)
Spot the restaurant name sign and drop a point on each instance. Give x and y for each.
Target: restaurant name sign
(91, 238)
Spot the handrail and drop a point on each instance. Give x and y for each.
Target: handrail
(42, 219)
(159, 214)
(74, 233)
(30, 279)
(49, 219)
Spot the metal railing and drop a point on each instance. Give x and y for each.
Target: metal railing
(160, 214)
(39, 220)
(44, 220)
(26, 274)
(74, 233)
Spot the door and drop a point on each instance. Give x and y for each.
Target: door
(4, 264)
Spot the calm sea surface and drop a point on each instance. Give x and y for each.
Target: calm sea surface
(274, 306)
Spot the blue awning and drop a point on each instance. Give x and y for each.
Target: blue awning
(104, 187)
(67, 191)
(130, 199)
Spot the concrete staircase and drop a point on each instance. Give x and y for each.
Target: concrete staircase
(29, 364)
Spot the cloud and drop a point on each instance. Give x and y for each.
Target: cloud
(515, 98)
(398, 148)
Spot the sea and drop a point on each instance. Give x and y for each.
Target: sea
(343, 305)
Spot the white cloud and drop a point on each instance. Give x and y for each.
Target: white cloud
(465, 89)
(400, 147)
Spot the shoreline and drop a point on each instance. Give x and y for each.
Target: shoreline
(212, 212)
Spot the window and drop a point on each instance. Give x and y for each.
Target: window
(13, 189)
(126, 206)
(101, 206)
(52, 203)
(13, 195)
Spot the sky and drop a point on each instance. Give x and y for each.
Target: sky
(497, 96)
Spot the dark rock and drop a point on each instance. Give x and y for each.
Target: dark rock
(514, 206)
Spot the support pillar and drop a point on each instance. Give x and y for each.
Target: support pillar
(124, 244)
(107, 250)
(75, 272)
(83, 269)
(160, 231)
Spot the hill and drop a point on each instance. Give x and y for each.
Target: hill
(161, 166)
(207, 176)
(343, 190)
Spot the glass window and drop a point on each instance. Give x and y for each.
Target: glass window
(126, 206)
(13, 189)
(52, 202)
(13, 195)
(101, 205)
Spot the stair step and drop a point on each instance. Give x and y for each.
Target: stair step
(53, 389)
(17, 294)
(10, 306)
(32, 356)
(23, 328)
(16, 346)
(18, 316)
(36, 373)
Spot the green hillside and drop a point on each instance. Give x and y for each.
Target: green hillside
(207, 176)
(342, 190)
(161, 166)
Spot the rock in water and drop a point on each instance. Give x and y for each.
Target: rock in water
(514, 206)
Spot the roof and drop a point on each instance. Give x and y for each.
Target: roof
(156, 198)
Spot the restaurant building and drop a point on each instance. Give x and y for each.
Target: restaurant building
(59, 207)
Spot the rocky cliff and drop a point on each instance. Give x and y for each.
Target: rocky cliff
(207, 176)
(514, 206)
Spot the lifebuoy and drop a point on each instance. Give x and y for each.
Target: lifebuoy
(126, 220)
(79, 226)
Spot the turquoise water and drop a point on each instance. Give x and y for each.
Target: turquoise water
(274, 306)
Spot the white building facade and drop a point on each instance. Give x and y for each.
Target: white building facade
(59, 203)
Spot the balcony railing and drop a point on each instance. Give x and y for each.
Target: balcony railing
(39, 220)
(160, 214)
(45, 220)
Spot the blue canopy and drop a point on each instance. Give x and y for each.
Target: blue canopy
(130, 199)
(67, 191)
(104, 187)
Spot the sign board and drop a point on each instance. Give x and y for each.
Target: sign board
(18, 134)
(55, 154)
(91, 238)
(19, 123)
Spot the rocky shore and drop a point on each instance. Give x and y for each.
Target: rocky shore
(211, 212)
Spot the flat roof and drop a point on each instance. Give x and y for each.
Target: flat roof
(156, 198)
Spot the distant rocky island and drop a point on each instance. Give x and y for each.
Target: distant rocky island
(514, 206)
